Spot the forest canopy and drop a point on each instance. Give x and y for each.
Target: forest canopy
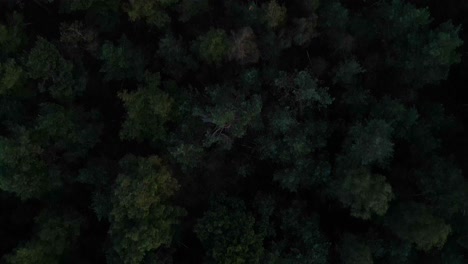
(234, 131)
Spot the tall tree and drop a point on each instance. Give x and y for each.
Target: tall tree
(228, 233)
(415, 223)
(55, 237)
(142, 218)
(148, 110)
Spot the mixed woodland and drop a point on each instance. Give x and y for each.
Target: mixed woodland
(233, 131)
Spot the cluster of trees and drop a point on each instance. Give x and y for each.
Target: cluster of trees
(269, 131)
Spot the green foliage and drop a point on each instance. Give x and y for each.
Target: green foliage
(405, 17)
(76, 5)
(99, 173)
(11, 111)
(308, 7)
(298, 171)
(347, 72)
(370, 143)
(244, 47)
(77, 134)
(357, 100)
(444, 44)
(296, 133)
(45, 61)
(365, 193)
(12, 35)
(425, 55)
(175, 56)
(213, 46)
(22, 169)
(55, 74)
(275, 14)
(444, 186)
(11, 76)
(335, 15)
(304, 30)
(148, 110)
(56, 235)
(391, 251)
(229, 116)
(122, 61)
(299, 240)
(103, 14)
(189, 9)
(424, 137)
(187, 155)
(416, 224)
(334, 123)
(400, 117)
(452, 254)
(245, 14)
(250, 79)
(142, 218)
(33, 161)
(76, 37)
(354, 251)
(228, 234)
(302, 89)
(152, 12)
(265, 206)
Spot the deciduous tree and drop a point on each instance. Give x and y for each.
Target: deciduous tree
(142, 218)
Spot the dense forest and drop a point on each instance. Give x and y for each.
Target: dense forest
(233, 131)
